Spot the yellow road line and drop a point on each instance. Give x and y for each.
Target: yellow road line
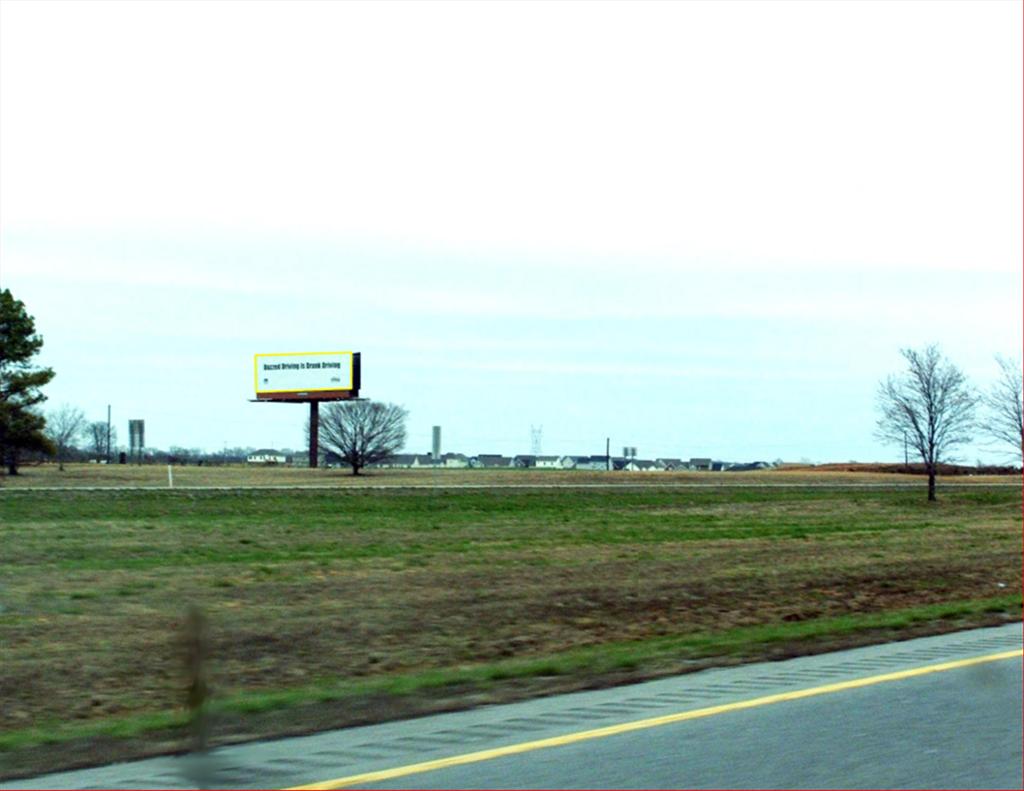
(637, 725)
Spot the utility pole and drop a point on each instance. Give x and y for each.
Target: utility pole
(108, 433)
(607, 453)
(906, 453)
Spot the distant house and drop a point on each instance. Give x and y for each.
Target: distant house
(398, 460)
(491, 461)
(594, 463)
(635, 465)
(591, 463)
(751, 466)
(266, 456)
(406, 461)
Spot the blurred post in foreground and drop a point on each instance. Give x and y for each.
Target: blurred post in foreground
(197, 651)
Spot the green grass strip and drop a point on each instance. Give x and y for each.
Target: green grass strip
(592, 661)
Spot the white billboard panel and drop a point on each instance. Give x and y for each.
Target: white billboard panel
(303, 372)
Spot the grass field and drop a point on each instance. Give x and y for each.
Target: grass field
(349, 605)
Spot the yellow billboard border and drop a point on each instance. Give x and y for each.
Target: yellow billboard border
(256, 372)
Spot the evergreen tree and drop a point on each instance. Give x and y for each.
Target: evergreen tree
(21, 424)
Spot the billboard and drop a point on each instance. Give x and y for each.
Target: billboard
(304, 373)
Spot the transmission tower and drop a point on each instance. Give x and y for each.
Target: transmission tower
(536, 435)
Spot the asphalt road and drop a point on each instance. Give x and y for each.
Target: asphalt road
(960, 729)
(938, 712)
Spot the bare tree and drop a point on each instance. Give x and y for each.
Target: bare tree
(1005, 402)
(362, 432)
(64, 426)
(96, 434)
(930, 406)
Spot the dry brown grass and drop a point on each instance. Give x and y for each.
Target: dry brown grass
(102, 475)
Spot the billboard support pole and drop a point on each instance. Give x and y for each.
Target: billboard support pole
(314, 433)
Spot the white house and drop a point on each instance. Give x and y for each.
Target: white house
(592, 463)
(266, 456)
(490, 461)
(399, 460)
(549, 463)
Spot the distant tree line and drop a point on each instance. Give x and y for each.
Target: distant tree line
(89, 444)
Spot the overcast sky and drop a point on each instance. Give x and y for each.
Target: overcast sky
(702, 229)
